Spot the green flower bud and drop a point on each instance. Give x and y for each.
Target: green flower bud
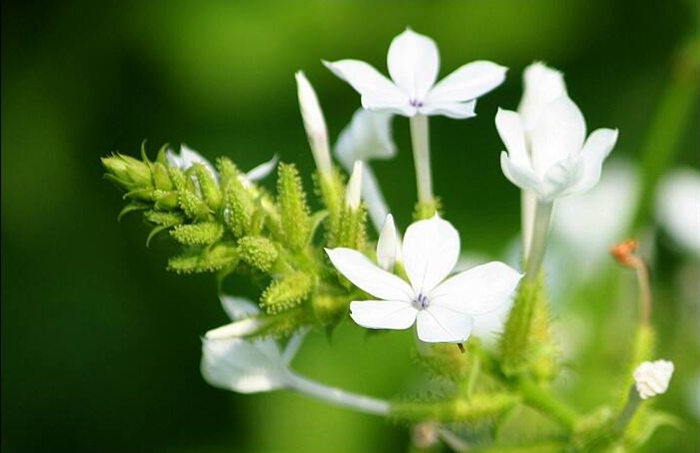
(161, 177)
(163, 218)
(207, 260)
(259, 252)
(192, 205)
(127, 172)
(198, 234)
(295, 212)
(208, 186)
(286, 293)
(167, 201)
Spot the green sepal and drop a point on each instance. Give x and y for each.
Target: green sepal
(131, 207)
(259, 252)
(206, 260)
(204, 233)
(154, 232)
(291, 198)
(287, 292)
(208, 186)
(161, 177)
(163, 218)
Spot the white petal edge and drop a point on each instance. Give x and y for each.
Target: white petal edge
(468, 82)
(522, 176)
(442, 325)
(430, 251)
(367, 137)
(263, 170)
(542, 85)
(377, 92)
(510, 129)
(596, 149)
(367, 276)
(413, 61)
(480, 290)
(383, 314)
(238, 307)
(456, 110)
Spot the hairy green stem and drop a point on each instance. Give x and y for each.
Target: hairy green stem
(538, 398)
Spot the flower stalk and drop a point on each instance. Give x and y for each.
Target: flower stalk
(420, 140)
(538, 242)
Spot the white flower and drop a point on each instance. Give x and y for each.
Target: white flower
(354, 189)
(188, 157)
(444, 311)
(413, 63)
(314, 123)
(232, 362)
(367, 137)
(652, 378)
(388, 245)
(548, 152)
(678, 208)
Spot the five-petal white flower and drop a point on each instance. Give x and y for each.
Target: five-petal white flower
(548, 152)
(414, 63)
(652, 378)
(233, 362)
(444, 311)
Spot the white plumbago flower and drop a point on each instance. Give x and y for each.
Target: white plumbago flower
(388, 245)
(314, 123)
(444, 311)
(353, 191)
(678, 208)
(551, 157)
(652, 378)
(231, 362)
(414, 63)
(367, 137)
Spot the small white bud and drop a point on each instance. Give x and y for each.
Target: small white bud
(652, 378)
(387, 244)
(353, 193)
(314, 123)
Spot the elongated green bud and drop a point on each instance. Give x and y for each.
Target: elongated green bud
(286, 293)
(207, 260)
(259, 252)
(208, 187)
(161, 177)
(198, 234)
(295, 212)
(163, 218)
(127, 172)
(479, 407)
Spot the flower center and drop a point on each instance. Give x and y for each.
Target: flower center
(420, 302)
(416, 103)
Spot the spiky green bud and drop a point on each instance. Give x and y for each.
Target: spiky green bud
(198, 234)
(208, 186)
(350, 229)
(206, 260)
(286, 293)
(259, 252)
(295, 212)
(163, 218)
(239, 205)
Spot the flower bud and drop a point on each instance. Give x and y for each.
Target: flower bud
(387, 245)
(127, 172)
(314, 123)
(353, 193)
(652, 378)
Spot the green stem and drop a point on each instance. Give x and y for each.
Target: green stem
(536, 397)
(420, 138)
(538, 243)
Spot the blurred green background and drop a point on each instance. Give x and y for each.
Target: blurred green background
(100, 345)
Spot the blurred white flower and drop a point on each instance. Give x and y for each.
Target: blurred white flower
(354, 189)
(314, 123)
(368, 137)
(678, 208)
(586, 225)
(232, 362)
(444, 311)
(388, 245)
(551, 157)
(413, 63)
(652, 378)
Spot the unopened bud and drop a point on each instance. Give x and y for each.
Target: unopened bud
(353, 193)
(314, 123)
(128, 172)
(387, 245)
(652, 378)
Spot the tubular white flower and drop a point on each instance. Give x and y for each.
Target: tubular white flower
(231, 362)
(388, 245)
(354, 190)
(414, 63)
(444, 310)
(314, 123)
(546, 152)
(678, 208)
(652, 378)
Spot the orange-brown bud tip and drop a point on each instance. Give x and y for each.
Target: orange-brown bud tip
(623, 252)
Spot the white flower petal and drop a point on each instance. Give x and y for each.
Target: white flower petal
(542, 85)
(238, 307)
(353, 191)
(442, 325)
(243, 366)
(413, 62)
(367, 137)
(378, 92)
(292, 347)
(558, 134)
(430, 252)
(477, 291)
(367, 276)
(188, 157)
(383, 314)
(456, 110)
(237, 329)
(468, 82)
(510, 129)
(678, 208)
(372, 194)
(652, 378)
(520, 175)
(596, 149)
(387, 244)
(263, 170)
(561, 179)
